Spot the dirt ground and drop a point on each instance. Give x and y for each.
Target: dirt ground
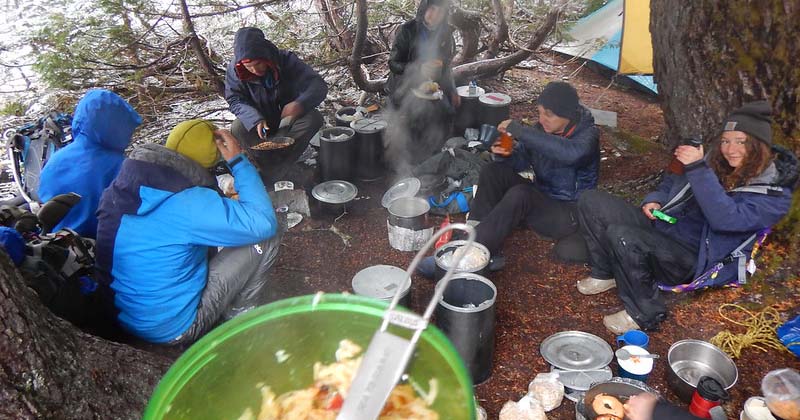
(536, 294)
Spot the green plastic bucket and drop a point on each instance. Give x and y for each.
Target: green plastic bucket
(217, 377)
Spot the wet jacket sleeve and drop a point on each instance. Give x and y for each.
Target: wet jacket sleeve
(399, 56)
(661, 194)
(666, 411)
(226, 222)
(575, 150)
(749, 212)
(308, 87)
(238, 98)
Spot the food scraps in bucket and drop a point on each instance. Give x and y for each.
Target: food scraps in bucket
(324, 399)
(474, 258)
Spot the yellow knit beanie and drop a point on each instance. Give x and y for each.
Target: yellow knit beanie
(195, 140)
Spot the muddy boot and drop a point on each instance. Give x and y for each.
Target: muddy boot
(620, 322)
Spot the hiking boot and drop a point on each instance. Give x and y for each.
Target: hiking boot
(593, 286)
(427, 267)
(620, 322)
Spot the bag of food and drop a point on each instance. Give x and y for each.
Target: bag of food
(527, 408)
(547, 389)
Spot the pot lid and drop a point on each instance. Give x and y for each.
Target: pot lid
(408, 187)
(582, 380)
(463, 91)
(336, 134)
(368, 125)
(495, 99)
(576, 350)
(380, 282)
(335, 192)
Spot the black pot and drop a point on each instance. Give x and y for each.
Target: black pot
(346, 111)
(467, 114)
(369, 148)
(332, 197)
(494, 108)
(409, 213)
(336, 155)
(451, 246)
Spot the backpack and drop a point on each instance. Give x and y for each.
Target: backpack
(30, 146)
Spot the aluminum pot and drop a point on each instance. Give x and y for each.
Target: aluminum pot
(689, 360)
(345, 115)
(410, 213)
(441, 267)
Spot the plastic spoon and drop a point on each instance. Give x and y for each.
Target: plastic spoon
(623, 354)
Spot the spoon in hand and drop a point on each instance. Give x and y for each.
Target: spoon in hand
(623, 354)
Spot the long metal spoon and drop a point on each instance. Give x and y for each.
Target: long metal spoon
(623, 354)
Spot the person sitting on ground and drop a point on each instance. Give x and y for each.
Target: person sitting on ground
(420, 61)
(563, 149)
(101, 130)
(742, 186)
(272, 93)
(160, 224)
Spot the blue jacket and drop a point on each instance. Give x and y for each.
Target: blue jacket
(264, 98)
(564, 166)
(718, 221)
(157, 221)
(101, 129)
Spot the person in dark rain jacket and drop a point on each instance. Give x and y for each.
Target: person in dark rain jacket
(102, 128)
(743, 186)
(272, 92)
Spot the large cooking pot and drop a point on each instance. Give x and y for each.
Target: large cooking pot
(369, 148)
(690, 360)
(442, 259)
(494, 108)
(408, 224)
(621, 388)
(468, 112)
(336, 153)
(278, 344)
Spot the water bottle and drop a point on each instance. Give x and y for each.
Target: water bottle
(473, 88)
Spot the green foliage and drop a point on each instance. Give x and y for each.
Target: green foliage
(13, 108)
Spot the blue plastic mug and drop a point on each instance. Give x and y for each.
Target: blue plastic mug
(633, 338)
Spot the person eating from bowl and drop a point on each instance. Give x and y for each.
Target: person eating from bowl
(272, 93)
(563, 150)
(420, 85)
(742, 186)
(160, 225)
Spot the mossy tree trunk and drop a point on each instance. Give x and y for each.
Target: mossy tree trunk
(51, 370)
(711, 56)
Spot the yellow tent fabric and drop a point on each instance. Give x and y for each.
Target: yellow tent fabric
(636, 46)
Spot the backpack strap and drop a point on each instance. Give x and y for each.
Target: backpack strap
(706, 279)
(461, 200)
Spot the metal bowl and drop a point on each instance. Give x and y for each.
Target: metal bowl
(623, 388)
(689, 360)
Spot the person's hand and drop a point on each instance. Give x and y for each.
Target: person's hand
(641, 406)
(455, 99)
(227, 144)
(503, 126)
(648, 208)
(689, 154)
(262, 129)
(500, 151)
(293, 109)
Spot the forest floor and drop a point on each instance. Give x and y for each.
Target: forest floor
(536, 293)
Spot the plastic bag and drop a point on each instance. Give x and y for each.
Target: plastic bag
(547, 389)
(527, 408)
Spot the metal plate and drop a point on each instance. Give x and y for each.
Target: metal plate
(335, 192)
(408, 187)
(576, 350)
(435, 96)
(380, 282)
(582, 380)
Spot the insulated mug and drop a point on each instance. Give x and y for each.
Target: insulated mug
(633, 338)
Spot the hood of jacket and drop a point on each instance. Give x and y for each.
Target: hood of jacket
(157, 168)
(250, 43)
(425, 4)
(104, 119)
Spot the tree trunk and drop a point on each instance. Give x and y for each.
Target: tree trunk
(341, 37)
(49, 369)
(359, 73)
(500, 34)
(194, 41)
(484, 68)
(711, 56)
(468, 24)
